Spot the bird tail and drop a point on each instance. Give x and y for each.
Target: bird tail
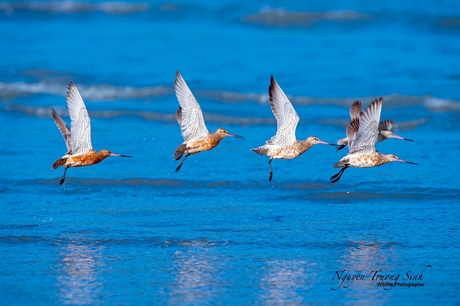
(341, 164)
(58, 163)
(180, 151)
(260, 150)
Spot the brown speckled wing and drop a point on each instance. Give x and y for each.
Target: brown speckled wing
(179, 115)
(285, 114)
(366, 136)
(80, 126)
(192, 122)
(356, 110)
(386, 125)
(64, 129)
(352, 129)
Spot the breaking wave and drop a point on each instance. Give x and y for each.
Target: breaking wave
(106, 92)
(441, 105)
(279, 17)
(68, 7)
(44, 111)
(99, 92)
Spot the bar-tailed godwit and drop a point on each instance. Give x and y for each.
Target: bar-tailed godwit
(362, 134)
(190, 117)
(80, 152)
(284, 144)
(384, 127)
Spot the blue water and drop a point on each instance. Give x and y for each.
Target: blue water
(132, 231)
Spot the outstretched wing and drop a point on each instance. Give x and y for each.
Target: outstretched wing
(65, 131)
(189, 115)
(80, 126)
(386, 125)
(352, 129)
(356, 110)
(179, 115)
(285, 114)
(366, 136)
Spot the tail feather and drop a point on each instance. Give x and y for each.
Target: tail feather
(342, 163)
(58, 163)
(260, 150)
(180, 151)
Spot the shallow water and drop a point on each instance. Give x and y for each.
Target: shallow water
(132, 231)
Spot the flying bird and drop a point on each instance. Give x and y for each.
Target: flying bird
(284, 144)
(362, 135)
(385, 127)
(80, 151)
(190, 117)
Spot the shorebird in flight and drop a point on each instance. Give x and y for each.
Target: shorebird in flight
(385, 127)
(80, 152)
(362, 135)
(284, 144)
(190, 117)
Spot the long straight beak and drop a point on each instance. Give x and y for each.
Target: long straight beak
(407, 162)
(236, 136)
(119, 155)
(327, 143)
(402, 138)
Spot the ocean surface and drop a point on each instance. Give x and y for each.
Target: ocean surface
(134, 232)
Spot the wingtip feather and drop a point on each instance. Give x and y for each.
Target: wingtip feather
(356, 109)
(70, 87)
(270, 87)
(352, 128)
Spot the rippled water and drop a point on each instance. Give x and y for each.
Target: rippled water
(132, 231)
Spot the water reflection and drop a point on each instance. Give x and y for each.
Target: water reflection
(197, 278)
(79, 280)
(361, 259)
(286, 281)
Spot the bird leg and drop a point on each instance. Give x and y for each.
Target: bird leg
(178, 167)
(270, 176)
(335, 178)
(63, 176)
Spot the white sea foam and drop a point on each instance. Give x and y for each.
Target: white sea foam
(67, 7)
(9, 91)
(99, 92)
(441, 105)
(281, 17)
